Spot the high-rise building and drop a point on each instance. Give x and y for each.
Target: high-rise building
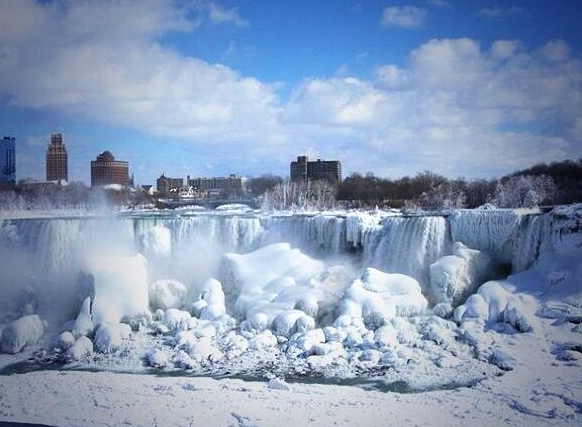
(105, 170)
(8, 160)
(304, 170)
(166, 185)
(56, 159)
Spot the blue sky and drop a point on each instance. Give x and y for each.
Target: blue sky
(474, 88)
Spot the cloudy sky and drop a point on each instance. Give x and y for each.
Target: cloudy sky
(470, 88)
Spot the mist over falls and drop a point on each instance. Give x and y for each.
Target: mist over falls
(47, 257)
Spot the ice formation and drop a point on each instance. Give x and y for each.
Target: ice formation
(378, 297)
(23, 332)
(119, 288)
(454, 277)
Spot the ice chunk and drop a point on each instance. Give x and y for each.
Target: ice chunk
(454, 277)
(22, 332)
(82, 348)
(109, 336)
(165, 294)
(211, 303)
(157, 358)
(119, 287)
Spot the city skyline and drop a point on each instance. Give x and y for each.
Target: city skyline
(467, 88)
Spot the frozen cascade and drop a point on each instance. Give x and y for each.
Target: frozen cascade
(49, 254)
(510, 236)
(491, 231)
(408, 245)
(317, 234)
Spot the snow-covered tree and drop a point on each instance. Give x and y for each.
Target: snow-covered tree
(525, 191)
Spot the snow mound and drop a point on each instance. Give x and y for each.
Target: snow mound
(253, 280)
(22, 332)
(378, 297)
(454, 277)
(120, 288)
(165, 294)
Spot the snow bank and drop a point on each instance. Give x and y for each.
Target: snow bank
(378, 297)
(165, 294)
(120, 288)
(22, 332)
(454, 277)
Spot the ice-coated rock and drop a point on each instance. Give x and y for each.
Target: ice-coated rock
(109, 336)
(173, 317)
(204, 350)
(25, 331)
(81, 349)
(65, 340)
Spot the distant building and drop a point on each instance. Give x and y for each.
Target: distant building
(218, 186)
(166, 185)
(7, 161)
(56, 159)
(105, 170)
(304, 170)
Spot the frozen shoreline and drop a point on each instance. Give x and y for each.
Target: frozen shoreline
(99, 399)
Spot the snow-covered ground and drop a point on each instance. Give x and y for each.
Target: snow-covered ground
(338, 318)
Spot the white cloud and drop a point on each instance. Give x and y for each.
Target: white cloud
(219, 15)
(403, 16)
(442, 4)
(102, 60)
(498, 12)
(455, 108)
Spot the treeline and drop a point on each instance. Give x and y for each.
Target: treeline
(540, 185)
